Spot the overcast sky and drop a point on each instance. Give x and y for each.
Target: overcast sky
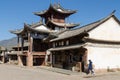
(14, 13)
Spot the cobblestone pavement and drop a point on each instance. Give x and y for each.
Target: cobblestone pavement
(12, 72)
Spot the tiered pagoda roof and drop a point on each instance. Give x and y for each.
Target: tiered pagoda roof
(55, 16)
(55, 8)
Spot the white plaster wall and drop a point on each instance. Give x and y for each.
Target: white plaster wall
(104, 57)
(109, 30)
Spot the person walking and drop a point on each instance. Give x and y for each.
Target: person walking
(90, 67)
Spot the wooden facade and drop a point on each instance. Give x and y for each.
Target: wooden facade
(37, 35)
(3, 55)
(35, 50)
(69, 53)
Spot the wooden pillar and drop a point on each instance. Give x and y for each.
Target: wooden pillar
(51, 60)
(18, 42)
(19, 59)
(18, 54)
(30, 56)
(20, 63)
(30, 60)
(9, 59)
(85, 57)
(22, 43)
(3, 58)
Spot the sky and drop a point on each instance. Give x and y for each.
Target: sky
(14, 13)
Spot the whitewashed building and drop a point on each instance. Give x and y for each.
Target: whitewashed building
(98, 41)
(103, 44)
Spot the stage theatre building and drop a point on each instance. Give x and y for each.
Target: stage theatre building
(54, 42)
(33, 39)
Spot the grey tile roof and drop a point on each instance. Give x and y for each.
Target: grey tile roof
(91, 40)
(87, 28)
(56, 7)
(67, 47)
(38, 30)
(31, 27)
(64, 24)
(16, 31)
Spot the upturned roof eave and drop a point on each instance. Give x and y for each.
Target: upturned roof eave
(69, 25)
(52, 7)
(30, 28)
(17, 32)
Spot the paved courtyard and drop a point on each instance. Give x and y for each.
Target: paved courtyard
(11, 72)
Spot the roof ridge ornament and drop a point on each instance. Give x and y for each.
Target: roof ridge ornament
(112, 13)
